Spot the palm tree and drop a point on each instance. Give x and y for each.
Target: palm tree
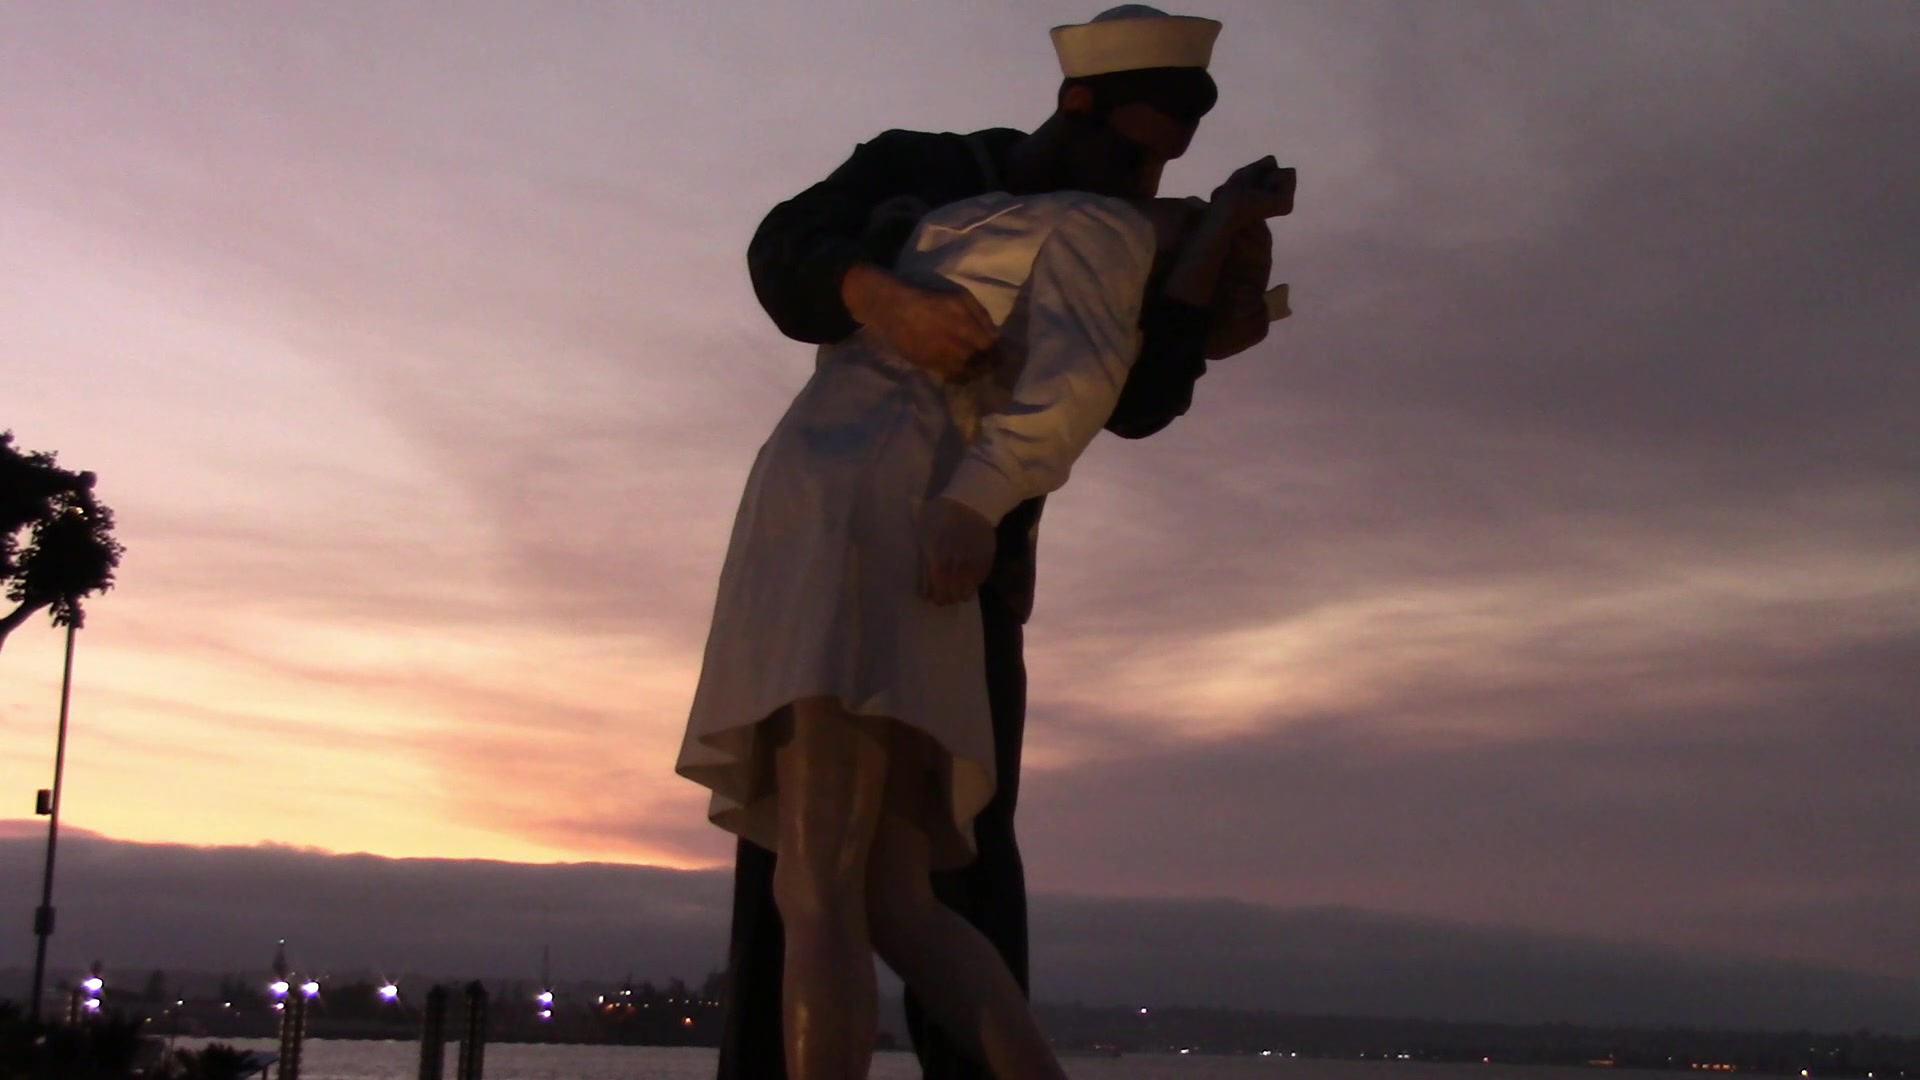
(16, 1041)
(70, 554)
(103, 1048)
(69, 551)
(215, 1061)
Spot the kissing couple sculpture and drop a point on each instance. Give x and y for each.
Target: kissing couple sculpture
(984, 305)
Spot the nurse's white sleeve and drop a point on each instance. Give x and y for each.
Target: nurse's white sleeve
(1083, 314)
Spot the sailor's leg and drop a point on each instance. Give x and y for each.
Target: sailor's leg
(750, 1046)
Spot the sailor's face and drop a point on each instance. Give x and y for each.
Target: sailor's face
(1164, 137)
(1134, 148)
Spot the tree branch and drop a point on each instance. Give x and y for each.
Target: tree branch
(18, 617)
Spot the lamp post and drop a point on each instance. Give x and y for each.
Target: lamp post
(49, 805)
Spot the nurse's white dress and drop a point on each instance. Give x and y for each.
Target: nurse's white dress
(819, 593)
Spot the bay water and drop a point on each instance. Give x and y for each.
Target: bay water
(333, 1059)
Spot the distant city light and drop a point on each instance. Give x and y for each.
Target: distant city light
(686, 1021)
(1143, 1012)
(310, 988)
(279, 987)
(544, 997)
(389, 992)
(91, 1005)
(92, 985)
(546, 1014)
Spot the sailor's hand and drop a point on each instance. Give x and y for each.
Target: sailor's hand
(1256, 192)
(936, 329)
(956, 550)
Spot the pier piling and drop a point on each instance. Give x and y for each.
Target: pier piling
(473, 1043)
(433, 1035)
(293, 1035)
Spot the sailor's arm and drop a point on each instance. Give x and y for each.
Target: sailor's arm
(812, 274)
(1212, 303)
(804, 247)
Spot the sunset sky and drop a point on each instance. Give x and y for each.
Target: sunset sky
(1557, 566)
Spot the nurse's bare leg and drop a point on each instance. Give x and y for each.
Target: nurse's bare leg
(831, 773)
(962, 982)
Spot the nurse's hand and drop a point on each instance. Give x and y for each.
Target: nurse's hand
(956, 550)
(936, 329)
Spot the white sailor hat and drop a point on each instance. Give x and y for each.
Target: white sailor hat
(1131, 37)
